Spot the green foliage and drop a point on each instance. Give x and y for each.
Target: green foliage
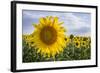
(71, 36)
(70, 53)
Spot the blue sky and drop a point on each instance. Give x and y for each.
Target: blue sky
(75, 23)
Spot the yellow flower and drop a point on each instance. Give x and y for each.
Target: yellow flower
(67, 39)
(85, 39)
(77, 38)
(89, 42)
(49, 36)
(29, 40)
(84, 44)
(77, 44)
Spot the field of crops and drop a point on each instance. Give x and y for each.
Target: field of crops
(77, 48)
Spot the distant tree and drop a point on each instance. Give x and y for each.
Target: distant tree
(71, 36)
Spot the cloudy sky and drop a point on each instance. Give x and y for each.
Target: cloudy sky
(75, 23)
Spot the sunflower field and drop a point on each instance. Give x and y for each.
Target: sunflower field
(48, 42)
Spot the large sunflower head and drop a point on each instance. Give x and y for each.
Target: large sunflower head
(49, 36)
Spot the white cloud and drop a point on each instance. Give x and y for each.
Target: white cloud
(75, 21)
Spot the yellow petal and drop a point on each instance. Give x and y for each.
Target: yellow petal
(42, 21)
(55, 21)
(61, 23)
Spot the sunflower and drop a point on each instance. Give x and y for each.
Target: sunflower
(29, 40)
(84, 44)
(26, 38)
(77, 44)
(85, 39)
(67, 39)
(89, 42)
(49, 36)
(77, 38)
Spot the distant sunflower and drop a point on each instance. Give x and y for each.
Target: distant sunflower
(29, 40)
(77, 38)
(67, 39)
(77, 44)
(85, 39)
(89, 42)
(84, 44)
(49, 36)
